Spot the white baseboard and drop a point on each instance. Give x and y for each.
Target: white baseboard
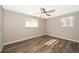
(63, 38)
(37, 36)
(20, 40)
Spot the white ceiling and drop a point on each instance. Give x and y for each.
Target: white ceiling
(31, 10)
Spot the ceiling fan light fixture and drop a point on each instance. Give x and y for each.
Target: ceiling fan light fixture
(45, 13)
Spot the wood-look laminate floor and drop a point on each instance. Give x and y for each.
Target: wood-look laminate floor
(42, 44)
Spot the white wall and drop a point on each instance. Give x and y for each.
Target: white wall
(54, 28)
(14, 29)
(1, 28)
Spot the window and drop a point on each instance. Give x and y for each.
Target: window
(31, 23)
(67, 21)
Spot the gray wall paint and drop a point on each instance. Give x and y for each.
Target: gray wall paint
(1, 28)
(54, 28)
(14, 29)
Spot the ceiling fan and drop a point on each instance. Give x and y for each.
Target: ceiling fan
(44, 11)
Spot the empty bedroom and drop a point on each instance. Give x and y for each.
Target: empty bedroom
(39, 29)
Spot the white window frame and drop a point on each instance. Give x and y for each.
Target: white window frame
(67, 21)
(31, 22)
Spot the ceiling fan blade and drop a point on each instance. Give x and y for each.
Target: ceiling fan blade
(43, 10)
(51, 11)
(36, 13)
(48, 14)
(39, 13)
